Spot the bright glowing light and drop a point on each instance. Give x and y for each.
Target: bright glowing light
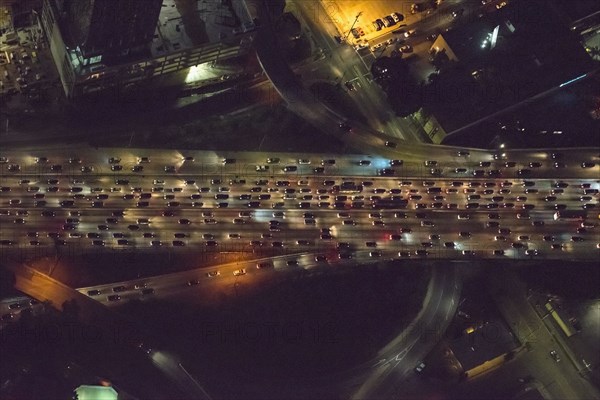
(502, 146)
(572, 80)
(200, 72)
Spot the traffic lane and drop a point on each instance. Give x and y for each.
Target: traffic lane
(349, 66)
(211, 163)
(228, 274)
(298, 185)
(398, 359)
(341, 221)
(360, 224)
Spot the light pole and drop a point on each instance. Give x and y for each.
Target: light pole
(354, 23)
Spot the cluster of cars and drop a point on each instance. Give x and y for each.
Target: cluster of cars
(24, 72)
(387, 21)
(141, 288)
(298, 193)
(19, 306)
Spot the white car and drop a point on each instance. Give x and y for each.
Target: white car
(420, 367)
(239, 272)
(397, 16)
(376, 47)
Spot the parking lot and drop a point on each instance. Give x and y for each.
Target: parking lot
(344, 14)
(26, 69)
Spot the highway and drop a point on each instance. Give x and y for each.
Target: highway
(197, 191)
(206, 205)
(409, 201)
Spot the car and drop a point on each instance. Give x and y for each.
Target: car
(386, 172)
(555, 356)
(397, 16)
(94, 292)
(378, 24)
(146, 292)
(587, 165)
(388, 20)
(178, 243)
(458, 13)
(118, 289)
(524, 171)
(193, 282)
(407, 48)
(391, 144)
(498, 252)
(364, 162)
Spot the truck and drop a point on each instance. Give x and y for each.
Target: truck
(561, 320)
(347, 187)
(570, 214)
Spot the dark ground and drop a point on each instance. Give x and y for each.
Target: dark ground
(286, 340)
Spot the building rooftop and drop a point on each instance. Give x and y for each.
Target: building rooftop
(529, 50)
(189, 23)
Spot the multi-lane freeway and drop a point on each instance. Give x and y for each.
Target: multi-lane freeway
(448, 206)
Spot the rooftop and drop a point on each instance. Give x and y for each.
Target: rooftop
(529, 50)
(188, 23)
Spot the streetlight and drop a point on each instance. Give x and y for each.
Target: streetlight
(354, 23)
